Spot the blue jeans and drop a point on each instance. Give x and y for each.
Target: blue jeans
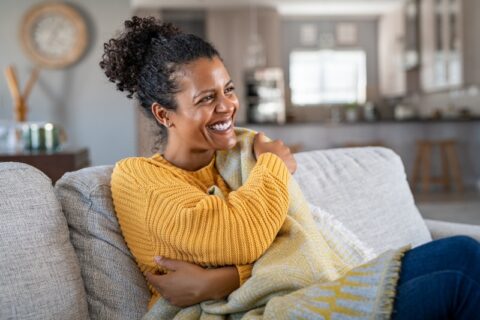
(440, 280)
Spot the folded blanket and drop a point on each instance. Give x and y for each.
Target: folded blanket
(303, 274)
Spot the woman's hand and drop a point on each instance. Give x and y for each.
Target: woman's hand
(262, 145)
(187, 284)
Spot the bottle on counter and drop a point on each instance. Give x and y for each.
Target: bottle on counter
(370, 112)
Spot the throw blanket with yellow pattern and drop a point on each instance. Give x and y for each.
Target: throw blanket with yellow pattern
(303, 274)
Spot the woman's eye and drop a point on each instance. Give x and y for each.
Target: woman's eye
(206, 99)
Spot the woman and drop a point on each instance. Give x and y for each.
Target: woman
(181, 81)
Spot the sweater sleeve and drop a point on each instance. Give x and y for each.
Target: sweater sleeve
(211, 230)
(244, 272)
(130, 206)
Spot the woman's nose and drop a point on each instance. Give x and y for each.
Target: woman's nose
(226, 105)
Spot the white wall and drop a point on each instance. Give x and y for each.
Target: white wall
(79, 98)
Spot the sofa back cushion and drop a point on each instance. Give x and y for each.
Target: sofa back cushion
(39, 271)
(367, 190)
(116, 289)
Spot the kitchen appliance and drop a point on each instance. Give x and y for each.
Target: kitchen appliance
(265, 95)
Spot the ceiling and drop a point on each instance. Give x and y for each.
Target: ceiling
(284, 7)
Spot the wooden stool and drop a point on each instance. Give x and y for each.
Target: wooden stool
(450, 165)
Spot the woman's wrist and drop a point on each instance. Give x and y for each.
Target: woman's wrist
(221, 282)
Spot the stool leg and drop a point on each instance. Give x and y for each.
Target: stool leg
(455, 166)
(426, 157)
(445, 179)
(417, 166)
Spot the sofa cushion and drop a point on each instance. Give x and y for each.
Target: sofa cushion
(39, 271)
(367, 190)
(116, 289)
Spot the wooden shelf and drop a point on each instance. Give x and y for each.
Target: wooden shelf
(53, 164)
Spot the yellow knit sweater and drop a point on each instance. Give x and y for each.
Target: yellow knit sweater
(167, 211)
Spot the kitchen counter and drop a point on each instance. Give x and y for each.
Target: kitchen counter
(381, 121)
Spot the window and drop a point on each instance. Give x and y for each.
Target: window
(327, 77)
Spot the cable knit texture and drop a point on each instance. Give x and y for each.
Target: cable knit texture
(194, 216)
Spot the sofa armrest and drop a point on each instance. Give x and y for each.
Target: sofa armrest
(442, 229)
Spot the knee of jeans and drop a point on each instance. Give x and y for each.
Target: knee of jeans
(464, 244)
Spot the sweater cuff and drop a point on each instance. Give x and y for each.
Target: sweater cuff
(244, 272)
(275, 165)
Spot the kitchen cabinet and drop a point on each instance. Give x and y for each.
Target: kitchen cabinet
(441, 44)
(430, 49)
(412, 33)
(471, 42)
(399, 50)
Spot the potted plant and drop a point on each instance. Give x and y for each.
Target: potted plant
(351, 112)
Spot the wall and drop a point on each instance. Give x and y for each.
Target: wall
(367, 40)
(79, 98)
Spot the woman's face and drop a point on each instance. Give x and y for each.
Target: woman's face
(206, 108)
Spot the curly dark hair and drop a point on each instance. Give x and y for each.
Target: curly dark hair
(145, 58)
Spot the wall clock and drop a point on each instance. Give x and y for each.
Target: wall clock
(54, 34)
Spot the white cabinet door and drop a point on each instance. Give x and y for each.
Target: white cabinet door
(441, 44)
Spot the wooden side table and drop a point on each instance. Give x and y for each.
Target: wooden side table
(53, 164)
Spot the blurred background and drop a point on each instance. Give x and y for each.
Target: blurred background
(403, 74)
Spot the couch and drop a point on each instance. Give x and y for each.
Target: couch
(63, 256)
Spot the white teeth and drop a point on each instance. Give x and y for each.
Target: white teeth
(221, 126)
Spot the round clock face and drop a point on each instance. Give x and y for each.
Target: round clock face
(54, 35)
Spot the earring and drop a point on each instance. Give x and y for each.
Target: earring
(168, 124)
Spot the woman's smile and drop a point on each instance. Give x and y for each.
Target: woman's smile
(222, 126)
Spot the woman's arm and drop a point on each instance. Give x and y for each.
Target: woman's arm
(187, 284)
(215, 230)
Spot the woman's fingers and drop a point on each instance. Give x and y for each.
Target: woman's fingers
(155, 280)
(262, 144)
(186, 285)
(169, 264)
(260, 136)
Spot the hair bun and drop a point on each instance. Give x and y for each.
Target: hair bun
(124, 56)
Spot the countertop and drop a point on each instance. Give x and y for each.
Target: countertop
(362, 122)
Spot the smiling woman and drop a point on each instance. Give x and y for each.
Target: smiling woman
(165, 204)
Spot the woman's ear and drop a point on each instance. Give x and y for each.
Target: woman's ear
(161, 114)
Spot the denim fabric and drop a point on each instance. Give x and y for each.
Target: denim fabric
(440, 280)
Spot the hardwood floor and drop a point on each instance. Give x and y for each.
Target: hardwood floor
(454, 207)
